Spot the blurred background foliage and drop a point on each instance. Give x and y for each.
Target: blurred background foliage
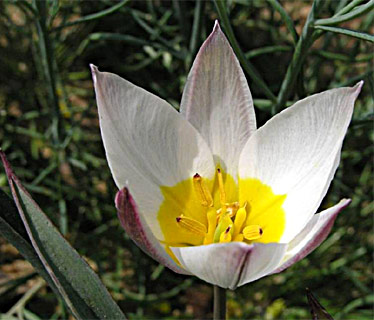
(49, 130)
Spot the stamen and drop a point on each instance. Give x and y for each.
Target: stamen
(202, 191)
(222, 193)
(240, 217)
(191, 225)
(226, 235)
(252, 232)
(212, 223)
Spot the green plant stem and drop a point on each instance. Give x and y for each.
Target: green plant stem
(196, 27)
(94, 16)
(219, 308)
(21, 303)
(248, 67)
(286, 18)
(339, 18)
(47, 57)
(351, 33)
(305, 41)
(348, 7)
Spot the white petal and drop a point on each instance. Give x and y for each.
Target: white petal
(147, 143)
(262, 260)
(217, 101)
(297, 152)
(229, 265)
(138, 230)
(311, 236)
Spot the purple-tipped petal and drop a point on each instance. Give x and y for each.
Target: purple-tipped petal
(262, 261)
(311, 236)
(139, 231)
(148, 144)
(297, 152)
(217, 101)
(230, 265)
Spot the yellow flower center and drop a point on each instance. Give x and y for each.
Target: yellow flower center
(200, 211)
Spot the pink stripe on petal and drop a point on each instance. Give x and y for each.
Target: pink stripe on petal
(220, 264)
(319, 232)
(230, 265)
(139, 232)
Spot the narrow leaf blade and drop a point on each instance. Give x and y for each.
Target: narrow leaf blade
(317, 310)
(12, 229)
(77, 283)
(348, 32)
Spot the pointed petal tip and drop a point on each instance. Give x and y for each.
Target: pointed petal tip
(344, 203)
(94, 72)
(216, 30)
(216, 25)
(122, 196)
(347, 200)
(119, 196)
(358, 87)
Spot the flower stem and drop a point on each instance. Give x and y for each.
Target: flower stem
(305, 41)
(219, 308)
(248, 67)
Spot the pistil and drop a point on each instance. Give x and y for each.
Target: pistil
(212, 223)
(225, 224)
(226, 235)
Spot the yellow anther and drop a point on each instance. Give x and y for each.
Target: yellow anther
(226, 235)
(202, 191)
(240, 217)
(212, 223)
(239, 237)
(252, 232)
(191, 225)
(222, 193)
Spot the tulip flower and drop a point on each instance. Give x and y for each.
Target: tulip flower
(206, 193)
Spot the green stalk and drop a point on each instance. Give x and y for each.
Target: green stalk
(46, 52)
(339, 18)
(248, 67)
(286, 18)
(348, 7)
(219, 308)
(305, 41)
(196, 26)
(94, 16)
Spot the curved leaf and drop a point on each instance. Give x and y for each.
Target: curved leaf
(76, 282)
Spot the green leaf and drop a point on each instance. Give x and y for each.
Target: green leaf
(349, 7)
(356, 12)
(76, 282)
(264, 50)
(317, 310)
(13, 230)
(93, 16)
(286, 18)
(348, 32)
